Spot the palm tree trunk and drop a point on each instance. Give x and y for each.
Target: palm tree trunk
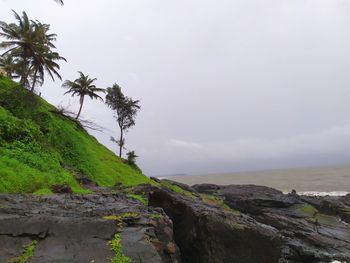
(24, 73)
(34, 81)
(121, 143)
(81, 106)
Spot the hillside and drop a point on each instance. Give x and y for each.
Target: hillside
(40, 148)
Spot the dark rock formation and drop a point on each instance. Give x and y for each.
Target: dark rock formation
(312, 229)
(73, 228)
(61, 189)
(208, 234)
(199, 224)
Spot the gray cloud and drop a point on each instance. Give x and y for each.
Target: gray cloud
(225, 85)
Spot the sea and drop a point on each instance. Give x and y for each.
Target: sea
(320, 181)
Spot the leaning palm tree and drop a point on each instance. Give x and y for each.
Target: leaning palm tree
(31, 44)
(82, 86)
(59, 1)
(19, 42)
(8, 64)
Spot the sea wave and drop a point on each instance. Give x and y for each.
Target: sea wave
(316, 193)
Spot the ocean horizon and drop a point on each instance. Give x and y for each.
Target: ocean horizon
(328, 180)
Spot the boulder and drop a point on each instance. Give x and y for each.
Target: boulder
(208, 234)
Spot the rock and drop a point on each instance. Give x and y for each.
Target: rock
(171, 248)
(181, 185)
(252, 199)
(207, 234)
(206, 188)
(61, 189)
(311, 228)
(155, 179)
(86, 181)
(76, 228)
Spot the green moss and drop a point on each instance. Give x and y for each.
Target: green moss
(345, 210)
(138, 198)
(216, 201)
(155, 216)
(177, 189)
(116, 246)
(39, 148)
(43, 191)
(307, 210)
(26, 255)
(122, 216)
(312, 214)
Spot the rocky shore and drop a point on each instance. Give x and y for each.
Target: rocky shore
(203, 223)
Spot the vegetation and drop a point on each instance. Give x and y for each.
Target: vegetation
(116, 246)
(40, 148)
(27, 253)
(29, 51)
(7, 64)
(177, 189)
(120, 217)
(131, 158)
(216, 201)
(125, 109)
(82, 86)
(140, 198)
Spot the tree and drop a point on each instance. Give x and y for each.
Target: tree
(45, 59)
(131, 158)
(125, 110)
(8, 64)
(59, 1)
(82, 86)
(30, 44)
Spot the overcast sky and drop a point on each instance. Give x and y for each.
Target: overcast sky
(225, 85)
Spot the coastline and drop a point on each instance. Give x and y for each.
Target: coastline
(319, 181)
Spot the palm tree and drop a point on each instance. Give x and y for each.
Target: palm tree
(31, 44)
(82, 86)
(8, 64)
(20, 42)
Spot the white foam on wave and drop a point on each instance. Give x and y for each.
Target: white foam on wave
(316, 193)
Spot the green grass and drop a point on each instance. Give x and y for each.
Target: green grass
(116, 246)
(26, 255)
(40, 148)
(43, 191)
(177, 189)
(138, 198)
(122, 216)
(216, 201)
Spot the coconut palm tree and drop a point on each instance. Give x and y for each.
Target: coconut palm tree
(31, 44)
(82, 86)
(20, 42)
(45, 59)
(8, 64)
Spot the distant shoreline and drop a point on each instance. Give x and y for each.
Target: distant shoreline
(331, 180)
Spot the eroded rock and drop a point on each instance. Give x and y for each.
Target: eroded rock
(74, 228)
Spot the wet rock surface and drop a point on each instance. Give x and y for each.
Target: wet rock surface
(73, 228)
(207, 233)
(312, 229)
(199, 224)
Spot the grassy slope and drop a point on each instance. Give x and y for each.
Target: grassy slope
(40, 148)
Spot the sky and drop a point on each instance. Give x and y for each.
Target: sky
(225, 85)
